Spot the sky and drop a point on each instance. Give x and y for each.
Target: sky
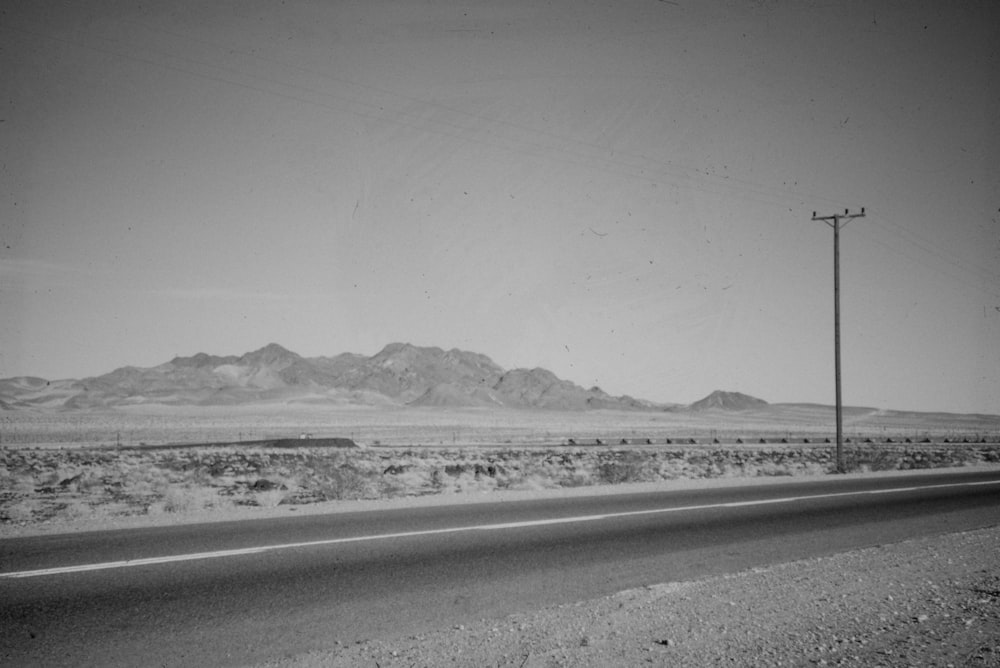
(621, 192)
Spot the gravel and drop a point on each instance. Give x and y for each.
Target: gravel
(925, 602)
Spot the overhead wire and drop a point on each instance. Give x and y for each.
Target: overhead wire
(469, 127)
(980, 285)
(567, 149)
(929, 247)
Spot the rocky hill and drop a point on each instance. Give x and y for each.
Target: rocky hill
(728, 401)
(399, 374)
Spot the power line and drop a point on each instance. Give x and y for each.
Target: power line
(462, 126)
(965, 281)
(928, 247)
(628, 164)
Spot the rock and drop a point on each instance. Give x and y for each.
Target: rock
(69, 481)
(264, 485)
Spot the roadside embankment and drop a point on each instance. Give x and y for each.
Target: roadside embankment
(70, 485)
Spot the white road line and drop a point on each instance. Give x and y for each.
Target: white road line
(483, 527)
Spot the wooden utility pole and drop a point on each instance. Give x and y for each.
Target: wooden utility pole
(836, 221)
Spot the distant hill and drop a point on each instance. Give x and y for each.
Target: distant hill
(728, 401)
(399, 374)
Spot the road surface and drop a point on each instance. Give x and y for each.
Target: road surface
(233, 593)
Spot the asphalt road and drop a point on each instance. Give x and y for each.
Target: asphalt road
(235, 593)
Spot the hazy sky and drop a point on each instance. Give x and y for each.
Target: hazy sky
(618, 191)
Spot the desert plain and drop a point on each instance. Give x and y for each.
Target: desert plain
(133, 465)
(927, 601)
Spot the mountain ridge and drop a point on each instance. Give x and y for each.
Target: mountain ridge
(400, 374)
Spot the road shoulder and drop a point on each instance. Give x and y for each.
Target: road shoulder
(928, 601)
(241, 513)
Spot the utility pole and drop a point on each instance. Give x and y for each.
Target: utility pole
(836, 221)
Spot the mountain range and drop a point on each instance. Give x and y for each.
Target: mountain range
(400, 374)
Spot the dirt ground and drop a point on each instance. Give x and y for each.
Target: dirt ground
(925, 602)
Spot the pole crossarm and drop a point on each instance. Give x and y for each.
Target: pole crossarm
(837, 221)
(834, 220)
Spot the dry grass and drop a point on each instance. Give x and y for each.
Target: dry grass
(38, 484)
(41, 485)
(21, 511)
(187, 499)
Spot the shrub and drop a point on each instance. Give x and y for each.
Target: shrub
(577, 479)
(392, 487)
(871, 458)
(883, 460)
(270, 498)
(76, 510)
(345, 482)
(22, 511)
(527, 483)
(630, 468)
(186, 500)
(769, 468)
(177, 500)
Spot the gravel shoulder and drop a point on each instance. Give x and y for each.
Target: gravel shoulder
(925, 602)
